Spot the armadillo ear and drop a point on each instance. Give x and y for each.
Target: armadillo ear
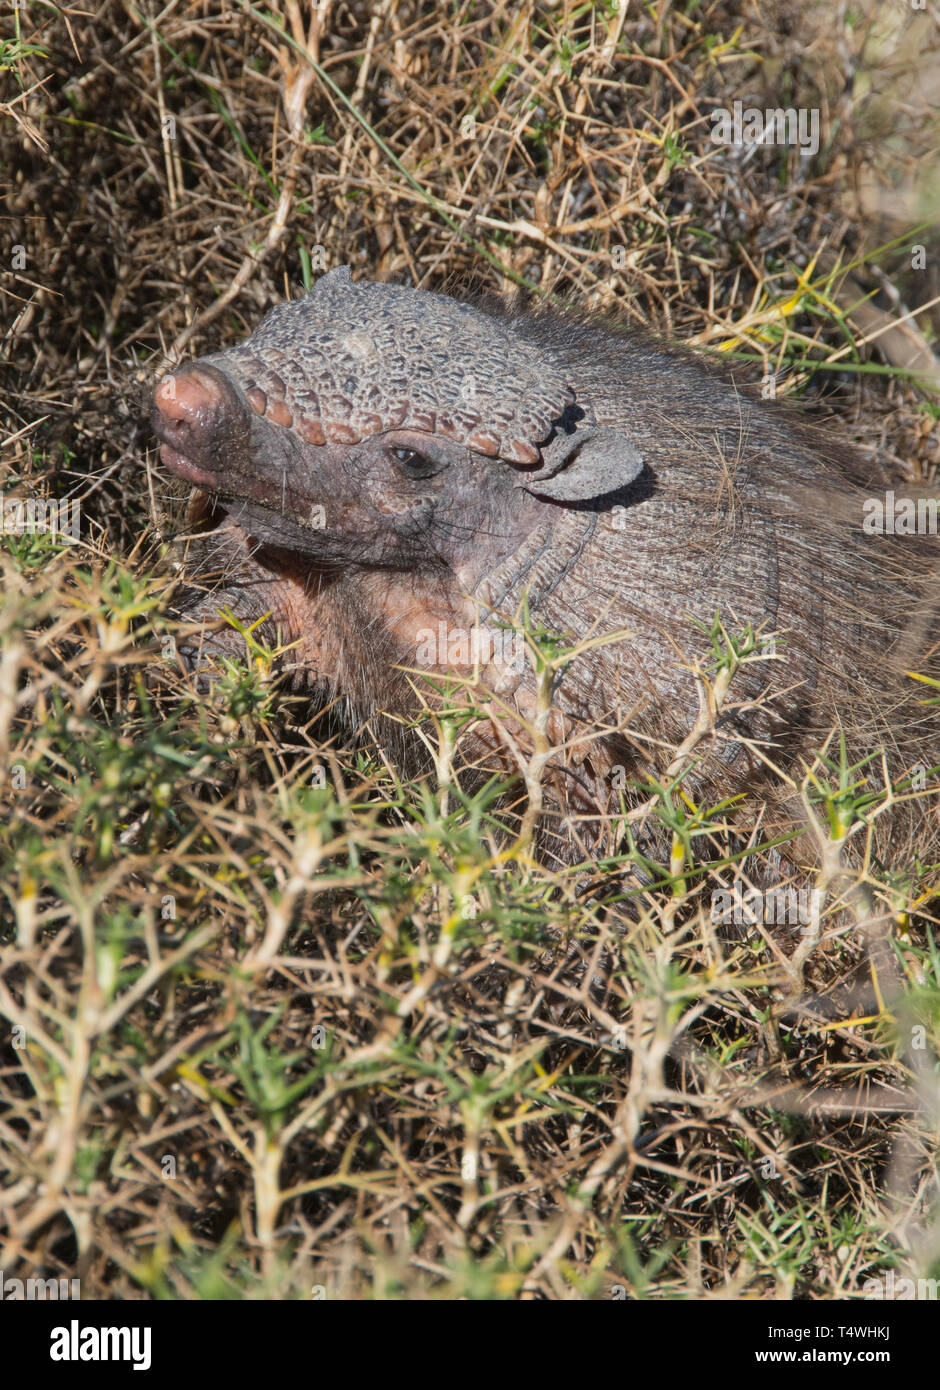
(586, 464)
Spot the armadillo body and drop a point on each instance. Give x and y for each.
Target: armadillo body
(394, 472)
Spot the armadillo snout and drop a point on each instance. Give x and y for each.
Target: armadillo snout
(194, 408)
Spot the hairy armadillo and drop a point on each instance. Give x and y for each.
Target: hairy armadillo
(393, 471)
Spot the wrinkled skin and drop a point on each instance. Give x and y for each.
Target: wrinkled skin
(641, 491)
(401, 500)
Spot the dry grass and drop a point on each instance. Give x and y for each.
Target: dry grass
(274, 1020)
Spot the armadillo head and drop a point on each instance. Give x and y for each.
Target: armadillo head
(374, 424)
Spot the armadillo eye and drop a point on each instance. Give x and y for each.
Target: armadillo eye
(413, 464)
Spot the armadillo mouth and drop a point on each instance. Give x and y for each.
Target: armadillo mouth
(185, 468)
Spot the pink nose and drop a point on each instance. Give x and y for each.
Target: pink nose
(202, 422)
(189, 396)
